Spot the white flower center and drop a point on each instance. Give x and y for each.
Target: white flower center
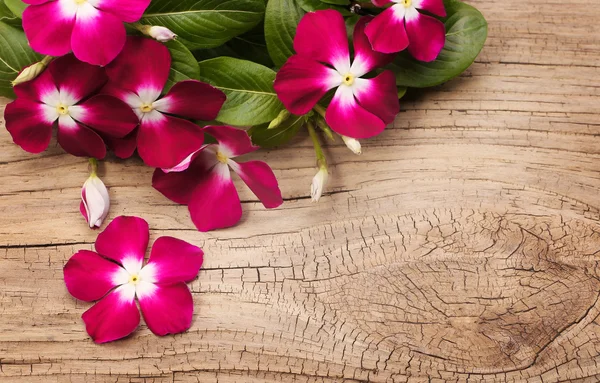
(348, 79)
(62, 109)
(79, 2)
(406, 3)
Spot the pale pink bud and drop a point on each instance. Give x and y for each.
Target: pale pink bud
(318, 184)
(352, 144)
(161, 34)
(95, 201)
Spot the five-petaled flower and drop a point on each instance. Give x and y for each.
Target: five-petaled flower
(138, 76)
(115, 276)
(361, 107)
(402, 25)
(62, 93)
(92, 29)
(203, 180)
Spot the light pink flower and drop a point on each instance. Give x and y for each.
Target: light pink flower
(92, 29)
(165, 136)
(402, 25)
(203, 180)
(361, 107)
(64, 93)
(115, 276)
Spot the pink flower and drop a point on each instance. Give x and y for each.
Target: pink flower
(115, 276)
(402, 25)
(138, 76)
(203, 181)
(64, 93)
(92, 29)
(361, 107)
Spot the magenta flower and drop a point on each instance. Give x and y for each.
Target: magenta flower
(402, 25)
(65, 93)
(92, 29)
(138, 76)
(115, 276)
(203, 180)
(361, 107)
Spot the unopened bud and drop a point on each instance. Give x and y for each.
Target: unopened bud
(280, 119)
(352, 144)
(32, 71)
(161, 34)
(318, 184)
(95, 201)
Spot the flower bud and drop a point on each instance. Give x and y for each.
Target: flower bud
(161, 34)
(352, 144)
(95, 201)
(318, 184)
(32, 71)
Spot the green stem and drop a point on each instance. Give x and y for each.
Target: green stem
(93, 166)
(319, 109)
(321, 160)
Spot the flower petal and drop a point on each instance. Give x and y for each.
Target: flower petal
(30, 124)
(302, 82)
(114, 317)
(168, 309)
(98, 37)
(133, 71)
(41, 89)
(381, 3)
(433, 6)
(192, 99)
(346, 117)
(261, 180)
(172, 260)
(36, 2)
(232, 141)
(365, 58)
(107, 114)
(55, 16)
(215, 203)
(123, 147)
(386, 31)
(76, 80)
(128, 11)
(427, 36)
(379, 95)
(79, 140)
(125, 240)
(321, 36)
(89, 277)
(164, 141)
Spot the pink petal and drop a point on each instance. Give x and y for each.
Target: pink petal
(321, 36)
(386, 32)
(173, 260)
(107, 114)
(128, 11)
(164, 141)
(83, 211)
(365, 58)
(302, 82)
(29, 124)
(381, 3)
(192, 99)
(261, 180)
(233, 142)
(114, 317)
(98, 38)
(215, 203)
(168, 310)
(79, 140)
(48, 27)
(133, 71)
(89, 277)
(75, 79)
(123, 147)
(125, 240)
(427, 37)
(379, 96)
(42, 89)
(36, 2)
(346, 117)
(433, 6)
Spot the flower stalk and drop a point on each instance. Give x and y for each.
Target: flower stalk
(320, 179)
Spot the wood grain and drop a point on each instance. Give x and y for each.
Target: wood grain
(462, 246)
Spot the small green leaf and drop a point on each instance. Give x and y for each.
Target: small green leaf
(183, 64)
(315, 5)
(466, 32)
(251, 99)
(281, 19)
(268, 138)
(16, 6)
(15, 54)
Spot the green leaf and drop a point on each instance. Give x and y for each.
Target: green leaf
(268, 138)
(466, 32)
(15, 54)
(202, 24)
(16, 6)
(315, 5)
(281, 19)
(251, 99)
(183, 64)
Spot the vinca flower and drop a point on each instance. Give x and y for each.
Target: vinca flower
(361, 107)
(114, 277)
(63, 95)
(402, 25)
(92, 29)
(95, 201)
(203, 181)
(165, 136)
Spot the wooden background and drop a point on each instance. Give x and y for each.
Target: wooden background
(464, 244)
